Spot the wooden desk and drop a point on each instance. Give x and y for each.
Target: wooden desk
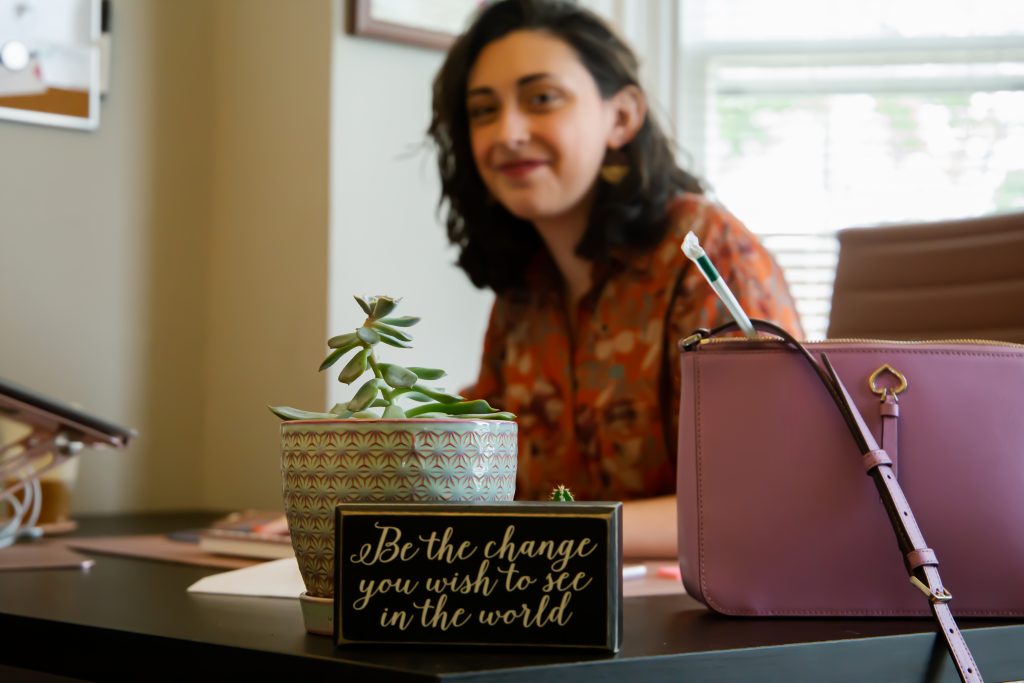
(128, 619)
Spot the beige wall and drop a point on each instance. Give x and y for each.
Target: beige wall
(267, 297)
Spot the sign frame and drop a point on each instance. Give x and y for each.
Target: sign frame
(557, 516)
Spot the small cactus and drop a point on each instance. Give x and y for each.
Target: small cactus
(561, 494)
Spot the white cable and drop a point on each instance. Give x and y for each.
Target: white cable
(25, 511)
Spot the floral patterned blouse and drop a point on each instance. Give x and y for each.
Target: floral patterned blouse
(598, 403)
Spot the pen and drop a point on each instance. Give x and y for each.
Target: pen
(691, 247)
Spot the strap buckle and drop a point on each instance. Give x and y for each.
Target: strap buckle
(938, 595)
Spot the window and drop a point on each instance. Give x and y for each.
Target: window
(808, 117)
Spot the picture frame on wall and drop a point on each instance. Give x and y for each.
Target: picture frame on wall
(50, 62)
(433, 24)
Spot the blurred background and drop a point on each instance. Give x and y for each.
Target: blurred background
(255, 163)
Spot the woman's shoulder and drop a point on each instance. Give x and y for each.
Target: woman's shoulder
(704, 216)
(715, 226)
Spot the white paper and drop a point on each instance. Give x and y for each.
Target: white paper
(276, 579)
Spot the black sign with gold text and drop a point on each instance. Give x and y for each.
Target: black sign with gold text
(546, 574)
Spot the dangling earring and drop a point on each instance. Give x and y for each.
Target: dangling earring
(615, 166)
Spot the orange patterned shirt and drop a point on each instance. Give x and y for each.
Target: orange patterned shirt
(598, 404)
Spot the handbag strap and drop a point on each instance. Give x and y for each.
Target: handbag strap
(920, 560)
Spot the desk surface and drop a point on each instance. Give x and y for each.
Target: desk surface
(92, 624)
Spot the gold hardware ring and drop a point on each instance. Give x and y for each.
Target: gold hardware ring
(882, 391)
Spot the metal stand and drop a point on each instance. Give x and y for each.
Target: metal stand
(57, 433)
(21, 463)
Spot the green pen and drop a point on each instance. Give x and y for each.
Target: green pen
(691, 247)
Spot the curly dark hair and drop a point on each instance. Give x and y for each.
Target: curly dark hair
(495, 246)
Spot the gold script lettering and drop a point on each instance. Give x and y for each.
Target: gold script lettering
(371, 587)
(386, 549)
(442, 549)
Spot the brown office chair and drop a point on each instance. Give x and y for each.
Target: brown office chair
(944, 280)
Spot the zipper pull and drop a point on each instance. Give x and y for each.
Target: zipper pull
(690, 343)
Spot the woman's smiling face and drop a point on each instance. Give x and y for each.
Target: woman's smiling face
(537, 123)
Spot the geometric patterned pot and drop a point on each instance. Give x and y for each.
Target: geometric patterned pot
(325, 462)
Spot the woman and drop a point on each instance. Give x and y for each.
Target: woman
(565, 199)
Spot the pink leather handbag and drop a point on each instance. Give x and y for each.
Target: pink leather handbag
(776, 515)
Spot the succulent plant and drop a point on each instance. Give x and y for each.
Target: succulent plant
(389, 382)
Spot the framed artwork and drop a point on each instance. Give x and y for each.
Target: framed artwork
(50, 62)
(414, 22)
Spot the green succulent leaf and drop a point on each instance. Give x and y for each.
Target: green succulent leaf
(355, 367)
(391, 331)
(289, 413)
(401, 321)
(390, 341)
(393, 412)
(477, 407)
(380, 403)
(365, 395)
(331, 359)
(425, 409)
(342, 340)
(366, 415)
(368, 335)
(438, 395)
(383, 306)
(364, 304)
(341, 411)
(411, 394)
(428, 373)
(501, 415)
(336, 355)
(397, 376)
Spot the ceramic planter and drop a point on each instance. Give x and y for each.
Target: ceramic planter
(325, 462)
